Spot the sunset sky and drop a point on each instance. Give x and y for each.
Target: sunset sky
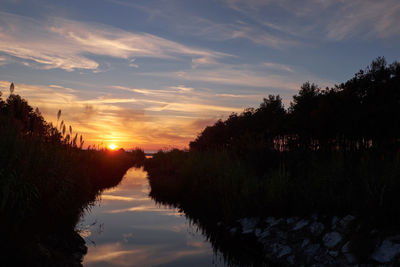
(152, 74)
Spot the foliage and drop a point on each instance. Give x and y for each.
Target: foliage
(333, 151)
(46, 178)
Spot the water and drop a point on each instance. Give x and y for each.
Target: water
(127, 228)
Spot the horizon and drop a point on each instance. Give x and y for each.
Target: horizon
(153, 74)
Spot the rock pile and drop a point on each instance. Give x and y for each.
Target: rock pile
(321, 241)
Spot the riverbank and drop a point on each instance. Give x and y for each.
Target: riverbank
(241, 224)
(46, 182)
(334, 152)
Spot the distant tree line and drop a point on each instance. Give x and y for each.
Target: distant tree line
(362, 113)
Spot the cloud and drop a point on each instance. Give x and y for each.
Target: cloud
(149, 118)
(69, 45)
(133, 64)
(240, 75)
(334, 20)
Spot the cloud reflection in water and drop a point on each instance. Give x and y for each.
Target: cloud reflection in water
(138, 232)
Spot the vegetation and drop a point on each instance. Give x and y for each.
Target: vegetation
(46, 179)
(333, 151)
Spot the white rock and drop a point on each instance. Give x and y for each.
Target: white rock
(300, 224)
(317, 228)
(331, 239)
(386, 252)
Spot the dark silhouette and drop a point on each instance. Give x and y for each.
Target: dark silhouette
(46, 182)
(334, 150)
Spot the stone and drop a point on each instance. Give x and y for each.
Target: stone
(305, 242)
(345, 222)
(233, 230)
(335, 219)
(386, 252)
(248, 225)
(272, 221)
(331, 239)
(312, 249)
(281, 250)
(333, 253)
(292, 220)
(300, 224)
(314, 217)
(350, 258)
(262, 234)
(281, 235)
(346, 247)
(258, 232)
(291, 259)
(317, 228)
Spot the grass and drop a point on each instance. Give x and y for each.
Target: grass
(226, 187)
(47, 180)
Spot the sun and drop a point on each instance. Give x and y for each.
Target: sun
(112, 146)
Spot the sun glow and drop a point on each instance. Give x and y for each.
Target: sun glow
(112, 146)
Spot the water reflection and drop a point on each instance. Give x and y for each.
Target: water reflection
(134, 231)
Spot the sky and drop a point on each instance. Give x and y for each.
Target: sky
(154, 73)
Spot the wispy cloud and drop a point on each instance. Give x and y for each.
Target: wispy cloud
(148, 118)
(68, 44)
(334, 20)
(264, 75)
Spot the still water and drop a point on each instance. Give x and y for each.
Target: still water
(127, 228)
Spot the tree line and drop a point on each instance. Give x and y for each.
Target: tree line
(359, 114)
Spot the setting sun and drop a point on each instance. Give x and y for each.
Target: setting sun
(112, 146)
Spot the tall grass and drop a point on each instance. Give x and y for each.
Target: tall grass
(46, 179)
(224, 187)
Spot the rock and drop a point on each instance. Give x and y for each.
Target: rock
(305, 243)
(312, 249)
(317, 228)
(351, 259)
(262, 234)
(331, 239)
(314, 217)
(272, 221)
(386, 252)
(290, 259)
(258, 232)
(248, 224)
(333, 253)
(300, 224)
(233, 230)
(346, 247)
(335, 219)
(292, 220)
(281, 250)
(346, 221)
